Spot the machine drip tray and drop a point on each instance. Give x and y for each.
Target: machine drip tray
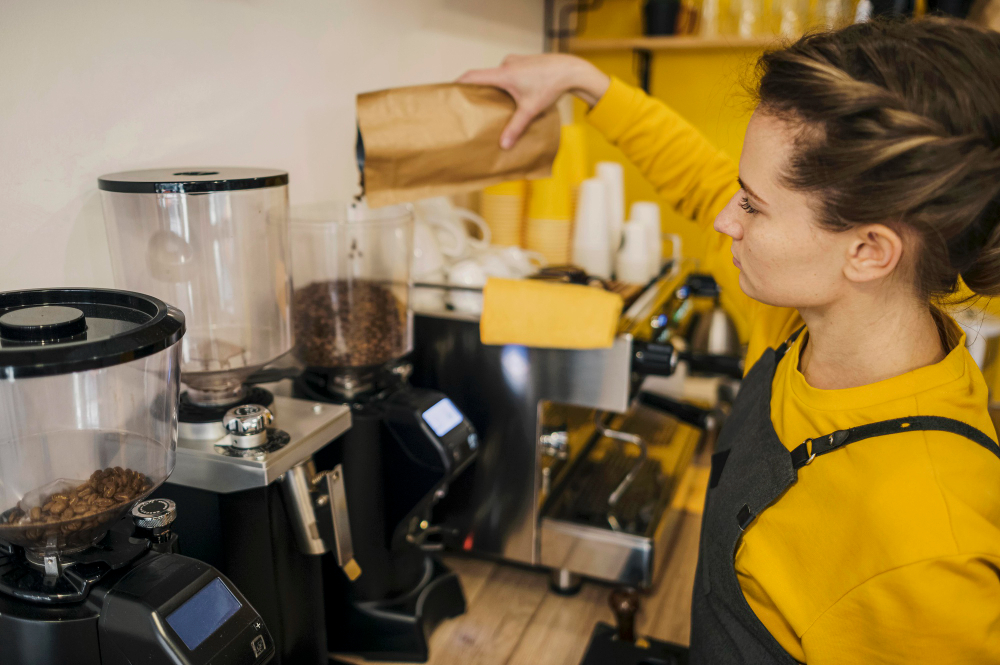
(583, 532)
(397, 629)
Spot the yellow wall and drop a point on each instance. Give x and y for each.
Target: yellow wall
(705, 86)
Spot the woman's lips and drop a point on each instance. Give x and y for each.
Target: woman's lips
(736, 263)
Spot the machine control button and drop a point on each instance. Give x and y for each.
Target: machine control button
(257, 644)
(154, 513)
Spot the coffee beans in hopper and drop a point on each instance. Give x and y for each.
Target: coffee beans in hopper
(349, 324)
(83, 507)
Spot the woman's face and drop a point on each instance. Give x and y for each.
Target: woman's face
(785, 258)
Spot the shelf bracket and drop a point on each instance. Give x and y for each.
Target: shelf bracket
(643, 61)
(557, 28)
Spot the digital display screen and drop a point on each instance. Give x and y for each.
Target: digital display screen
(203, 613)
(443, 417)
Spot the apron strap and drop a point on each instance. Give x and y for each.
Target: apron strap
(779, 353)
(803, 454)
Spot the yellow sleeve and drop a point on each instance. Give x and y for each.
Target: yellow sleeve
(943, 610)
(688, 172)
(698, 180)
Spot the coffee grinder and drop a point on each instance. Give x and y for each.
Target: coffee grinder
(215, 241)
(89, 572)
(354, 329)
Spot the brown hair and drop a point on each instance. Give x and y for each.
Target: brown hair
(901, 125)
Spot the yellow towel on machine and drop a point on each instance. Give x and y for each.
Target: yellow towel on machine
(548, 315)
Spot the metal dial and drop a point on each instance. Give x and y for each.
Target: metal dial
(154, 513)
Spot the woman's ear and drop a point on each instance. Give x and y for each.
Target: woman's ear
(874, 252)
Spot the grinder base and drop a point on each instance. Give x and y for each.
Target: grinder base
(397, 629)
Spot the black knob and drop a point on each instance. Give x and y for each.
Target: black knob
(46, 323)
(651, 359)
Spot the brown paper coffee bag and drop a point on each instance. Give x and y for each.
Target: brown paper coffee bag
(444, 139)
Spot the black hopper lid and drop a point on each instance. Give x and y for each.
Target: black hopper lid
(60, 331)
(192, 180)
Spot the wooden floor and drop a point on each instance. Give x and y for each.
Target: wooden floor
(513, 618)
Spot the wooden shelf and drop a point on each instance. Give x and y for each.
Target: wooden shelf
(687, 42)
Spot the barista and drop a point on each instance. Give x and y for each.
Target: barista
(853, 514)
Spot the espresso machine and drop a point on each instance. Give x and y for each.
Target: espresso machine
(406, 445)
(583, 456)
(89, 569)
(215, 241)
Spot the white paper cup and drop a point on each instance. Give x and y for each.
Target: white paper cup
(633, 259)
(613, 177)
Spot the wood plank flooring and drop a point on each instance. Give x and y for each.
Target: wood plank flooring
(513, 618)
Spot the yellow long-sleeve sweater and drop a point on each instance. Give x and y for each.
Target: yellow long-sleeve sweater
(887, 551)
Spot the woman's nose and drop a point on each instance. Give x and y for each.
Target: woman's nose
(728, 221)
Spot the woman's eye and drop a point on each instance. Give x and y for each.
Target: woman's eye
(745, 204)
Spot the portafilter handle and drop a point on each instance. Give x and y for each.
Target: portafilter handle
(625, 604)
(688, 413)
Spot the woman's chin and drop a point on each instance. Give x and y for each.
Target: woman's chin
(761, 296)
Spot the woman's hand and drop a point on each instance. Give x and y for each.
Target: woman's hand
(536, 82)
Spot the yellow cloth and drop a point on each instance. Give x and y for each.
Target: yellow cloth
(548, 315)
(889, 550)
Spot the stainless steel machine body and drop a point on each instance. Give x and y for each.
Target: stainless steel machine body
(546, 416)
(215, 464)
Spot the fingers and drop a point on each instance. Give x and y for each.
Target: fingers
(515, 127)
(492, 77)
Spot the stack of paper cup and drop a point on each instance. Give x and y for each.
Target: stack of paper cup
(647, 213)
(633, 259)
(613, 177)
(502, 207)
(549, 230)
(590, 235)
(571, 161)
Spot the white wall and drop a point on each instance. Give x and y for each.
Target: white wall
(89, 87)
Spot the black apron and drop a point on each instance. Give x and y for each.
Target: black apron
(751, 469)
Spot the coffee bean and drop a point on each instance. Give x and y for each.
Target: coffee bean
(76, 513)
(348, 324)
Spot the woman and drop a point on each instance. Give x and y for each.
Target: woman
(853, 514)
